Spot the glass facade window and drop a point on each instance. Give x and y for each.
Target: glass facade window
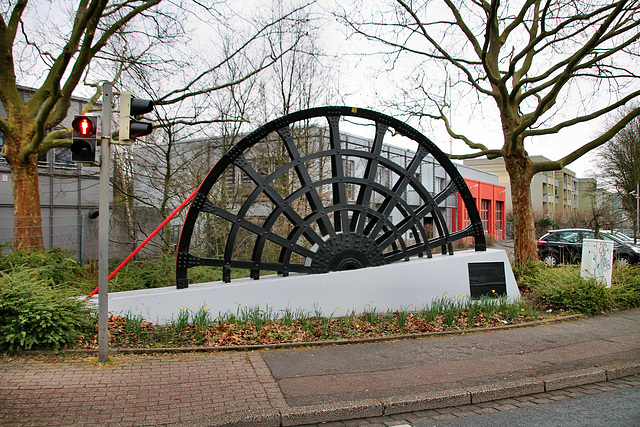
(467, 220)
(2, 159)
(499, 225)
(485, 209)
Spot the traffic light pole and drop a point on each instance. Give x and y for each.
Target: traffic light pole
(103, 227)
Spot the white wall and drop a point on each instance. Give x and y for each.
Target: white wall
(408, 286)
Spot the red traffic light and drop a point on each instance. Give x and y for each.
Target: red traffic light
(84, 126)
(84, 139)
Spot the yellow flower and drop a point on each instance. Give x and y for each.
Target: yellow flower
(456, 298)
(357, 326)
(181, 308)
(204, 308)
(493, 290)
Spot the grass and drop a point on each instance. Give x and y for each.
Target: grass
(257, 326)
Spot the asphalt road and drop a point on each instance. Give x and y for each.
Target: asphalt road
(618, 408)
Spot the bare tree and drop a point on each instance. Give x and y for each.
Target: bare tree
(302, 79)
(601, 213)
(529, 59)
(619, 162)
(177, 162)
(98, 41)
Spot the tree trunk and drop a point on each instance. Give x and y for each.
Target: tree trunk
(520, 175)
(27, 232)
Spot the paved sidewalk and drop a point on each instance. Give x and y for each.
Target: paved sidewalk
(322, 384)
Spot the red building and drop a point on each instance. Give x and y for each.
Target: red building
(490, 201)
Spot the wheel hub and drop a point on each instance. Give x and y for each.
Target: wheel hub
(345, 252)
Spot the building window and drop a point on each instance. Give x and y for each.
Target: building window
(349, 170)
(418, 176)
(3, 161)
(499, 225)
(467, 220)
(230, 176)
(62, 157)
(485, 209)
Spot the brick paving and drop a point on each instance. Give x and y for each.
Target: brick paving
(193, 389)
(424, 380)
(495, 406)
(133, 390)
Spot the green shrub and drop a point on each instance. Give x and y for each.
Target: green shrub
(527, 274)
(204, 274)
(55, 266)
(34, 315)
(144, 274)
(625, 287)
(563, 288)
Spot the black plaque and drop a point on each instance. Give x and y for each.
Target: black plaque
(487, 279)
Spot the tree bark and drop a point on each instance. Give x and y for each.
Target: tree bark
(520, 175)
(27, 232)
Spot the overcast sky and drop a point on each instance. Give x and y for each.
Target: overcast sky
(364, 85)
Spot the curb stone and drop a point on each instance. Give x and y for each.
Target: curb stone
(333, 412)
(623, 370)
(506, 389)
(268, 418)
(343, 411)
(425, 401)
(562, 380)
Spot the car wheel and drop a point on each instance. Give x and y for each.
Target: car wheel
(550, 259)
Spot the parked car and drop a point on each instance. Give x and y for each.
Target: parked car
(622, 237)
(565, 246)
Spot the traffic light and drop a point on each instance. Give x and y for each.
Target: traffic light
(83, 146)
(131, 107)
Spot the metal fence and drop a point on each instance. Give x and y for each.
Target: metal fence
(78, 233)
(73, 232)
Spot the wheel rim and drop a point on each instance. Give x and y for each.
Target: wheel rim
(550, 260)
(313, 221)
(624, 261)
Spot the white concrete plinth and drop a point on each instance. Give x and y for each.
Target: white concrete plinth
(401, 286)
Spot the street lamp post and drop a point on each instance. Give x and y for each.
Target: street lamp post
(635, 238)
(637, 195)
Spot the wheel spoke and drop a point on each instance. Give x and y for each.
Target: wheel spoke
(310, 225)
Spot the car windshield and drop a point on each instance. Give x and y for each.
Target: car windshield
(569, 237)
(623, 237)
(612, 238)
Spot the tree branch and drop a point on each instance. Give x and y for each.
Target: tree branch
(257, 35)
(602, 139)
(8, 90)
(565, 76)
(582, 119)
(491, 154)
(445, 55)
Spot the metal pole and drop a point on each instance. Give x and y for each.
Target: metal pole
(79, 218)
(103, 227)
(51, 157)
(635, 237)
